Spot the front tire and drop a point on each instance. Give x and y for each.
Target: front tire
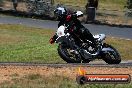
(111, 57)
(62, 51)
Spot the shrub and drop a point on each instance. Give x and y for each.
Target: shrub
(129, 8)
(129, 4)
(1, 2)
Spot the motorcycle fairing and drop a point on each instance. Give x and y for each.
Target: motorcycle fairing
(100, 37)
(60, 32)
(107, 49)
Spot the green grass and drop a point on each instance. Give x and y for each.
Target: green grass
(112, 4)
(123, 46)
(26, 44)
(54, 81)
(103, 4)
(109, 11)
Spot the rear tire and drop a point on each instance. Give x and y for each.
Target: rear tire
(112, 57)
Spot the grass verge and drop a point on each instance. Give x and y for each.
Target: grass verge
(103, 4)
(26, 44)
(109, 11)
(39, 81)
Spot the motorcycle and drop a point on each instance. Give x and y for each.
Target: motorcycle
(83, 52)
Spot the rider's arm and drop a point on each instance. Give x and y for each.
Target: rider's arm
(53, 38)
(61, 23)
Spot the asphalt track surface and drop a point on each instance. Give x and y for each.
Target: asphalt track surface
(60, 65)
(125, 33)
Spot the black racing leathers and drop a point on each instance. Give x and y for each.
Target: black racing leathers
(84, 33)
(75, 27)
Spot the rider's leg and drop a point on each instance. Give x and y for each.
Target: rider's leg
(86, 35)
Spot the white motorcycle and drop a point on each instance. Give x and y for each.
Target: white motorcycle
(83, 52)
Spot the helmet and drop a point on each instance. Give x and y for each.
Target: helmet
(79, 13)
(59, 12)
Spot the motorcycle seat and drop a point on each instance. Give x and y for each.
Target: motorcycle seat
(99, 37)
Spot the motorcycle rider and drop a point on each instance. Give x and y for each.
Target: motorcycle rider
(75, 26)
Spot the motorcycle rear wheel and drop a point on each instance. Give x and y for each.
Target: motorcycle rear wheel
(111, 57)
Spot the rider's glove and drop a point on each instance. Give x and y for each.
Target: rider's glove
(51, 41)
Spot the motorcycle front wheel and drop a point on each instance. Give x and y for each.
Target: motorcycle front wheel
(64, 53)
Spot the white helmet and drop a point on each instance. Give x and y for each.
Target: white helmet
(79, 13)
(60, 11)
